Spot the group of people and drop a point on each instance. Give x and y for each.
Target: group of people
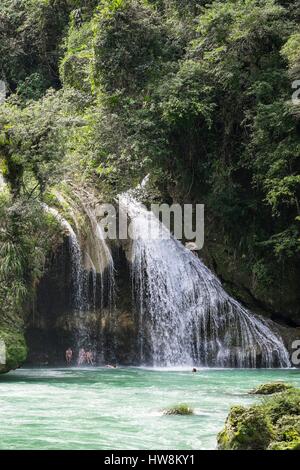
(84, 357)
(88, 357)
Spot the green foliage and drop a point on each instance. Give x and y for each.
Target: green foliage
(196, 93)
(32, 142)
(76, 68)
(291, 50)
(129, 45)
(30, 35)
(15, 346)
(26, 235)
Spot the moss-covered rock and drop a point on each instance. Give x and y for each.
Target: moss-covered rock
(288, 434)
(15, 350)
(181, 409)
(291, 445)
(272, 425)
(271, 388)
(282, 405)
(246, 429)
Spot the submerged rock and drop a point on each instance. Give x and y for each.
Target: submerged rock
(270, 388)
(272, 425)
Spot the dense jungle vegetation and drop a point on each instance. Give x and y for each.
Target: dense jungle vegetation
(196, 93)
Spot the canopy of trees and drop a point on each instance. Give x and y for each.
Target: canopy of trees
(197, 93)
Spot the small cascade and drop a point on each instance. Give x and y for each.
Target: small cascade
(185, 316)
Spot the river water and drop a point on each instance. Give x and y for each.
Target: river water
(108, 409)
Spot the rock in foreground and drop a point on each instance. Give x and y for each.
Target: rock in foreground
(272, 425)
(271, 388)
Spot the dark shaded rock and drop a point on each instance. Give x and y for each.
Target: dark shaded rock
(279, 299)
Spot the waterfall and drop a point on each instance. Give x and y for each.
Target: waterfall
(184, 314)
(104, 274)
(92, 274)
(2, 181)
(78, 277)
(101, 258)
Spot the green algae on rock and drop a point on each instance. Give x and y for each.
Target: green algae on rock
(181, 409)
(246, 429)
(272, 425)
(271, 388)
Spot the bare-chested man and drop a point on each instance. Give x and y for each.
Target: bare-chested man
(89, 358)
(69, 355)
(81, 357)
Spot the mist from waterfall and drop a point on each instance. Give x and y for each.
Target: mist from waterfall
(184, 314)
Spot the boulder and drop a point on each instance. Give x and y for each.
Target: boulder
(272, 425)
(246, 429)
(270, 388)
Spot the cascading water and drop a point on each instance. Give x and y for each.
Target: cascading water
(96, 256)
(103, 261)
(185, 316)
(2, 182)
(79, 295)
(92, 270)
(103, 271)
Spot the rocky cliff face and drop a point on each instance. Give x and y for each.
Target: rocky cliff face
(278, 300)
(54, 325)
(110, 327)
